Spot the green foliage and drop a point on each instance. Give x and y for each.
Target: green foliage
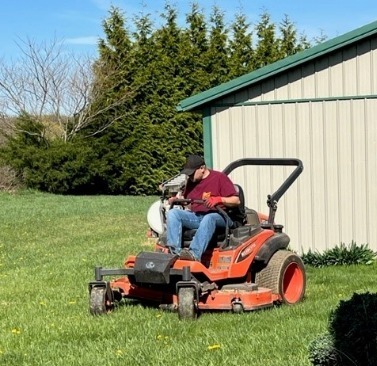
(353, 325)
(136, 138)
(240, 48)
(52, 166)
(340, 255)
(322, 352)
(352, 334)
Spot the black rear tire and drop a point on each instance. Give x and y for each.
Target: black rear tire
(284, 275)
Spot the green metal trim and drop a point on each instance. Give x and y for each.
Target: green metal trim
(207, 137)
(290, 101)
(198, 100)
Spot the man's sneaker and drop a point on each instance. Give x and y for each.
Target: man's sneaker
(186, 255)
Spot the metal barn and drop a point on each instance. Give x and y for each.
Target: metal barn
(320, 106)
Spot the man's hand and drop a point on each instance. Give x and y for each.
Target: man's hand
(211, 202)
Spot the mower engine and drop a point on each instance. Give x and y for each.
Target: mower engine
(156, 215)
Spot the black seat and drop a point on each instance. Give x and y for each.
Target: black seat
(238, 214)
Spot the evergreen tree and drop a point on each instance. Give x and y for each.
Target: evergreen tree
(267, 50)
(217, 55)
(194, 49)
(288, 42)
(241, 59)
(113, 82)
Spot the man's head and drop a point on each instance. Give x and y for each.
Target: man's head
(195, 167)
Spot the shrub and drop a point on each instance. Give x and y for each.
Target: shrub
(340, 255)
(9, 181)
(322, 352)
(353, 325)
(352, 334)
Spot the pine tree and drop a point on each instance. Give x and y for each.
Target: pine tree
(288, 42)
(217, 55)
(194, 48)
(241, 59)
(267, 50)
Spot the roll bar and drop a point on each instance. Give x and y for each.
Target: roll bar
(272, 199)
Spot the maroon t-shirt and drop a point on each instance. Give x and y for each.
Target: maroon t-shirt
(215, 184)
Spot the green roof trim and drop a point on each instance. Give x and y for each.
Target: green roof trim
(198, 100)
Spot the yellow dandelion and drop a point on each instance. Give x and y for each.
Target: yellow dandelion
(119, 352)
(72, 302)
(16, 331)
(160, 337)
(213, 346)
(158, 316)
(42, 303)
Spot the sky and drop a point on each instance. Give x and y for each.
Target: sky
(78, 23)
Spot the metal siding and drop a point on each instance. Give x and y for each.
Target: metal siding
(364, 82)
(336, 75)
(345, 158)
(331, 223)
(308, 81)
(371, 173)
(322, 77)
(359, 169)
(373, 66)
(333, 200)
(350, 71)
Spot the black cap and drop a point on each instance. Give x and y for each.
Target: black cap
(193, 162)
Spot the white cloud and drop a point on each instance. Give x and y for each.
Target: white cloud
(91, 40)
(103, 4)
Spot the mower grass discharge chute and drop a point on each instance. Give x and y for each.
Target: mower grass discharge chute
(245, 267)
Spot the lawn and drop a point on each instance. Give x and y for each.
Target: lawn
(49, 246)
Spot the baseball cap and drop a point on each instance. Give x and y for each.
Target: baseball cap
(193, 162)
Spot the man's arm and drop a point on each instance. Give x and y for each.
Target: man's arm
(231, 201)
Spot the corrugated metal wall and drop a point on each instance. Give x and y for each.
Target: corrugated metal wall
(333, 201)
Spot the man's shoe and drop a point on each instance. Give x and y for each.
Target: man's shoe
(186, 255)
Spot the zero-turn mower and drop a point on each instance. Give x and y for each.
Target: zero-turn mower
(246, 267)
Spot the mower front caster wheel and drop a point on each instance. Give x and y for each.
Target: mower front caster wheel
(186, 303)
(100, 301)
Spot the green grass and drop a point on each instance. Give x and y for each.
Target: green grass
(49, 246)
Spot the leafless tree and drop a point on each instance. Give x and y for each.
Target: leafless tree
(53, 87)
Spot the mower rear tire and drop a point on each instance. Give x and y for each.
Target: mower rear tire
(99, 302)
(285, 276)
(186, 303)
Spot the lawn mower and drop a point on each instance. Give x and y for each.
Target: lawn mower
(247, 266)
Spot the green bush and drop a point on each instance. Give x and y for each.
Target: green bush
(353, 325)
(352, 334)
(322, 352)
(340, 255)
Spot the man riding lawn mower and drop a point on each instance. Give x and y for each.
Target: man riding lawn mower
(245, 266)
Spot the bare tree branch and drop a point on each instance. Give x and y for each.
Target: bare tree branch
(53, 87)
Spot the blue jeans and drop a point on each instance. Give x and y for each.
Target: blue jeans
(206, 224)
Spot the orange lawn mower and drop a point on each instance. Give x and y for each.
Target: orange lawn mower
(246, 266)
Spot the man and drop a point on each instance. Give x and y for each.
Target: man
(214, 188)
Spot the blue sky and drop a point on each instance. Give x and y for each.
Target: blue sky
(79, 22)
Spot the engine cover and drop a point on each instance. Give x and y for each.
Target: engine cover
(153, 267)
